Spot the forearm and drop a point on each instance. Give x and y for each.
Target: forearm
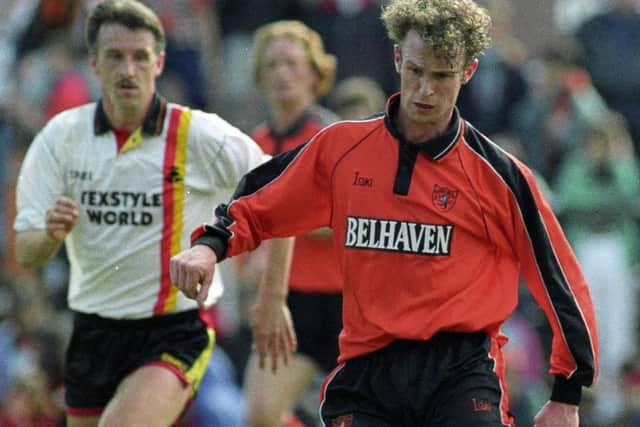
(275, 282)
(34, 248)
(322, 233)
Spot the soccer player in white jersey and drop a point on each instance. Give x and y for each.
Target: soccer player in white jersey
(122, 182)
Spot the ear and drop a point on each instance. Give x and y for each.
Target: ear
(397, 57)
(470, 71)
(160, 63)
(93, 63)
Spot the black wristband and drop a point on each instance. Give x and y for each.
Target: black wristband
(565, 391)
(211, 237)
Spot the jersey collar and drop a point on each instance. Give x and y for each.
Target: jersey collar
(435, 147)
(295, 127)
(152, 124)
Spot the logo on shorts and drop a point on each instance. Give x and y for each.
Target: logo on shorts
(444, 198)
(342, 421)
(480, 405)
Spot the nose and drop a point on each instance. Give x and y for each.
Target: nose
(127, 66)
(426, 86)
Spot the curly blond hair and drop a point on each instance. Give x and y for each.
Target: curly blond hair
(321, 61)
(449, 27)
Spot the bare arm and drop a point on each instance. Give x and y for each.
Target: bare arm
(557, 414)
(35, 247)
(271, 323)
(192, 271)
(322, 233)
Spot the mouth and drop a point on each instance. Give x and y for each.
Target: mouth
(126, 86)
(423, 107)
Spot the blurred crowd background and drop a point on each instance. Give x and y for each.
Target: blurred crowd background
(560, 88)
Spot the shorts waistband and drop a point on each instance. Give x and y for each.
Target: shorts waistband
(443, 338)
(80, 319)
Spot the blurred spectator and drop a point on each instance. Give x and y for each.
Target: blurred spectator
(49, 17)
(498, 84)
(524, 370)
(192, 67)
(238, 97)
(560, 101)
(611, 41)
(357, 97)
(30, 404)
(598, 185)
(292, 70)
(631, 393)
(220, 402)
(569, 14)
(33, 338)
(340, 22)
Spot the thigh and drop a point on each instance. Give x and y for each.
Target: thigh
(476, 399)
(277, 392)
(358, 394)
(82, 421)
(103, 353)
(150, 396)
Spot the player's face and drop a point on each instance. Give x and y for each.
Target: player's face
(286, 74)
(429, 87)
(127, 66)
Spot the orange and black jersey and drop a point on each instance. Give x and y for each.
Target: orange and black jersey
(431, 237)
(314, 267)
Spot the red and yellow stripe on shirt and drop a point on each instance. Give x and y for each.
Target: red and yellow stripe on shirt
(173, 191)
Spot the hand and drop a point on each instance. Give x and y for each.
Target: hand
(556, 414)
(273, 332)
(192, 272)
(61, 217)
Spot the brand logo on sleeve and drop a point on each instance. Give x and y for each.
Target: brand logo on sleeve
(398, 236)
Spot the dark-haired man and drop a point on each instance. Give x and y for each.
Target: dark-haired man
(122, 182)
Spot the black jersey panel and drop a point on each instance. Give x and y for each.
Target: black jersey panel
(562, 299)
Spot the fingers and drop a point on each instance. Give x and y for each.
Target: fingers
(61, 217)
(192, 272)
(203, 293)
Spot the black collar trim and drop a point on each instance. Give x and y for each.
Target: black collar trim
(295, 127)
(152, 124)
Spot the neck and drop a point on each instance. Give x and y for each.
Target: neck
(284, 115)
(127, 118)
(420, 132)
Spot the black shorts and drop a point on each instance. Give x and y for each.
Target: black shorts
(317, 319)
(103, 351)
(451, 380)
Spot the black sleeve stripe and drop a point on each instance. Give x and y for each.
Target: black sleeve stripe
(266, 173)
(250, 183)
(568, 313)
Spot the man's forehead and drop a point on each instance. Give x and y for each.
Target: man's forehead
(428, 58)
(114, 32)
(415, 49)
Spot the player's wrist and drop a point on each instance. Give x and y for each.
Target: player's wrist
(211, 237)
(564, 391)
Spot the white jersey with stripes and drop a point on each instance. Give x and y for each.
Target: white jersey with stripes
(137, 204)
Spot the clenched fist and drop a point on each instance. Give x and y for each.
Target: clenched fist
(192, 272)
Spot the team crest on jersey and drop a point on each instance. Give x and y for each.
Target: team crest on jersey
(444, 198)
(174, 175)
